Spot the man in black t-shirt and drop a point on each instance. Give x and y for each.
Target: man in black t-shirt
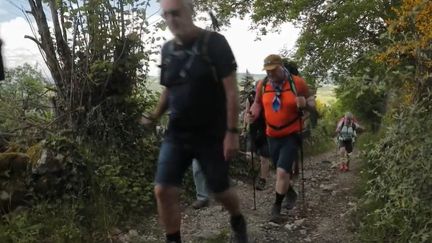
(2, 74)
(198, 72)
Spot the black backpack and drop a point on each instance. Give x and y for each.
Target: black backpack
(2, 74)
(199, 49)
(257, 129)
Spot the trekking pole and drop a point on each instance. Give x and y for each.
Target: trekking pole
(302, 163)
(252, 148)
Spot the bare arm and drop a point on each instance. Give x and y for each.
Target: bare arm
(162, 105)
(339, 126)
(232, 99)
(255, 109)
(310, 103)
(245, 114)
(359, 127)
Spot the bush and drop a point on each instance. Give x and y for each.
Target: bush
(43, 223)
(397, 205)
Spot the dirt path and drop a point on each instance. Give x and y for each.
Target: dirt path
(329, 196)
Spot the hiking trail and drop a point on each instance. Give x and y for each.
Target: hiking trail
(329, 199)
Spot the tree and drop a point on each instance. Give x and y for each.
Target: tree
(97, 51)
(335, 34)
(409, 53)
(25, 105)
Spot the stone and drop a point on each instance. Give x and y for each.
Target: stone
(273, 224)
(290, 226)
(299, 222)
(327, 188)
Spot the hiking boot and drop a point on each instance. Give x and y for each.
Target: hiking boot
(239, 230)
(275, 213)
(260, 184)
(237, 237)
(342, 167)
(198, 204)
(290, 198)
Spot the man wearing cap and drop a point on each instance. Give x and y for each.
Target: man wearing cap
(282, 96)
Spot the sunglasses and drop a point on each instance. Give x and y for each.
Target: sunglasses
(174, 13)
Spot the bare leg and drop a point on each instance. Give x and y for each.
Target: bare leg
(167, 198)
(229, 200)
(265, 167)
(282, 181)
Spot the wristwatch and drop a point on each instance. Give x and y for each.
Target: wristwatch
(233, 130)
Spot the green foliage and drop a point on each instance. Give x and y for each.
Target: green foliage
(247, 85)
(337, 35)
(396, 206)
(334, 36)
(69, 183)
(365, 99)
(25, 107)
(321, 138)
(43, 223)
(105, 59)
(125, 178)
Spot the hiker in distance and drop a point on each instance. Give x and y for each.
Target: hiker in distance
(257, 141)
(198, 72)
(346, 131)
(282, 96)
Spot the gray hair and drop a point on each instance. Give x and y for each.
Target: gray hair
(189, 5)
(348, 115)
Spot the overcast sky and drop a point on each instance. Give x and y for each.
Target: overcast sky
(249, 53)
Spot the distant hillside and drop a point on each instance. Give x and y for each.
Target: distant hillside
(325, 94)
(153, 81)
(256, 77)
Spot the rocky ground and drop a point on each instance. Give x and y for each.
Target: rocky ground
(322, 217)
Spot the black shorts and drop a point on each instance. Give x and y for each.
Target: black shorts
(175, 158)
(347, 144)
(284, 151)
(261, 147)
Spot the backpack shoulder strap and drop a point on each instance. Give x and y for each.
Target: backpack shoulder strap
(292, 83)
(167, 51)
(263, 86)
(204, 53)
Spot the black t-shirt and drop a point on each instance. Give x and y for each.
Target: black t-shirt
(193, 76)
(2, 74)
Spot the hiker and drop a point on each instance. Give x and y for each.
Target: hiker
(310, 120)
(346, 131)
(198, 72)
(202, 194)
(281, 96)
(2, 73)
(257, 142)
